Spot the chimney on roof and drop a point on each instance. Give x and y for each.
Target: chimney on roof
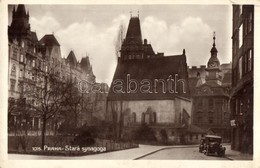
(145, 41)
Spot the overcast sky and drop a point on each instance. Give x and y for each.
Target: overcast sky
(92, 30)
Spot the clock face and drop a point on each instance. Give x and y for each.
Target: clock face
(213, 64)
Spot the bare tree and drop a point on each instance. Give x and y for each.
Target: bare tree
(117, 118)
(72, 104)
(46, 98)
(76, 104)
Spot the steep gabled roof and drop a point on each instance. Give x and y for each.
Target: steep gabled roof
(72, 58)
(49, 40)
(148, 50)
(134, 31)
(34, 37)
(20, 10)
(84, 63)
(151, 69)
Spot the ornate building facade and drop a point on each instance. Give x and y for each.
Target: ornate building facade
(32, 61)
(210, 89)
(243, 78)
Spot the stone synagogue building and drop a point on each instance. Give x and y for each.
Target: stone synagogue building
(150, 89)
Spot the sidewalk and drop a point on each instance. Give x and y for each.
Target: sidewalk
(236, 155)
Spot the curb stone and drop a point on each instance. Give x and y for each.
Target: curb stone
(164, 148)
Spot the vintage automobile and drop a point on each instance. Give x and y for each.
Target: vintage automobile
(211, 144)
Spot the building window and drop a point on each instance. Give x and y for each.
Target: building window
(12, 86)
(154, 117)
(15, 53)
(20, 87)
(21, 58)
(147, 118)
(22, 44)
(133, 118)
(240, 36)
(143, 118)
(240, 68)
(240, 9)
(33, 63)
(250, 22)
(13, 70)
(249, 60)
(21, 73)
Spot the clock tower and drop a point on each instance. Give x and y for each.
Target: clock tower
(213, 66)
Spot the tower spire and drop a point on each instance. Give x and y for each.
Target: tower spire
(214, 50)
(214, 38)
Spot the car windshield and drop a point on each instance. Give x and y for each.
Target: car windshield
(214, 140)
